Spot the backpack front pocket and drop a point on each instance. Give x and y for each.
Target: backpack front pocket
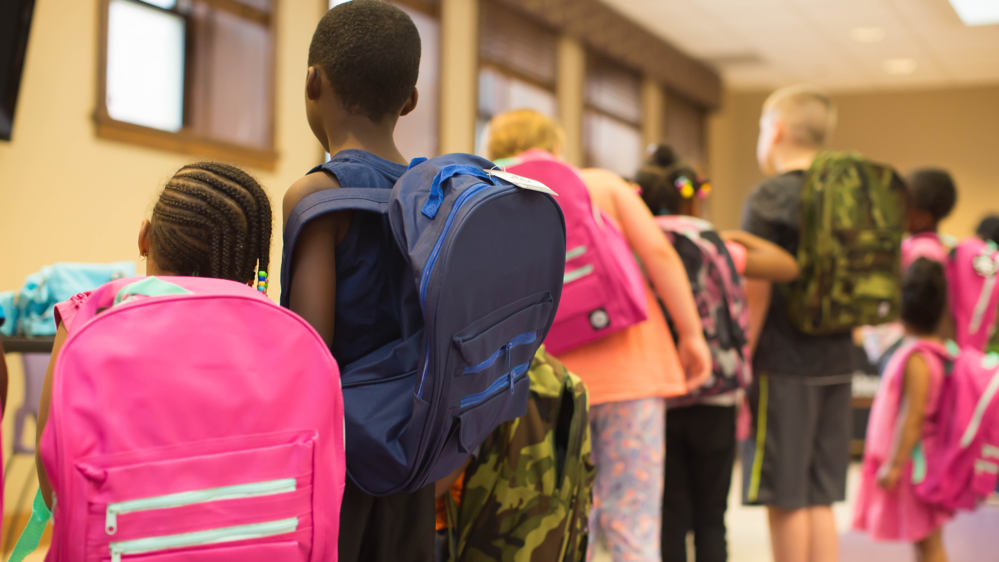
(201, 497)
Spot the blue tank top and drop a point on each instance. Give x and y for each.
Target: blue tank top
(369, 265)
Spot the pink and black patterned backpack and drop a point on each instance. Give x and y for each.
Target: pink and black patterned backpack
(721, 301)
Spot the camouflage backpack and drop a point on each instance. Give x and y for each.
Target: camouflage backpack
(527, 493)
(849, 250)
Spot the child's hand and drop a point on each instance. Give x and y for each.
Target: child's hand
(695, 357)
(888, 476)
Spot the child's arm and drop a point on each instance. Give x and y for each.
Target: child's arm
(313, 266)
(908, 428)
(669, 278)
(764, 259)
(43, 416)
(758, 295)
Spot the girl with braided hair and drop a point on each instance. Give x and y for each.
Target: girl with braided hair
(211, 220)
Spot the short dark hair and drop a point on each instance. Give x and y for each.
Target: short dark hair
(924, 295)
(659, 179)
(212, 220)
(988, 229)
(932, 190)
(370, 53)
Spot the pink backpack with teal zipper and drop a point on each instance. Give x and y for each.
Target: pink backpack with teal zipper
(193, 419)
(974, 292)
(603, 289)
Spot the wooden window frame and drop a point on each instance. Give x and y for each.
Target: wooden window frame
(186, 141)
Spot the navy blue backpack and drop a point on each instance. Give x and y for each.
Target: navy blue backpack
(486, 260)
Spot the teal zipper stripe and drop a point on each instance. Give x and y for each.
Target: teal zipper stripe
(577, 274)
(200, 538)
(575, 253)
(241, 491)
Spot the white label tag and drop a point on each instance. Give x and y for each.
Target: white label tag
(522, 182)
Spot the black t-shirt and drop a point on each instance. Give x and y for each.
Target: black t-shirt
(773, 212)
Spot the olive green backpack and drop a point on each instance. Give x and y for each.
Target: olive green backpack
(852, 222)
(527, 492)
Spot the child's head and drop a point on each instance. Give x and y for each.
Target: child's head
(212, 220)
(988, 229)
(520, 130)
(363, 64)
(924, 297)
(669, 186)
(795, 120)
(931, 197)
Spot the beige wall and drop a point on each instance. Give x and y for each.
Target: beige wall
(957, 129)
(68, 196)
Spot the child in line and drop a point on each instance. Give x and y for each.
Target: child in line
(211, 220)
(629, 373)
(931, 195)
(701, 437)
(362, 69)
(887, 507)
(988, 229)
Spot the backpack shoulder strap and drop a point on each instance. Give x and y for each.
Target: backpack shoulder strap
(371, 199)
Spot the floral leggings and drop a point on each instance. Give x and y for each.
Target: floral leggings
(629, 450)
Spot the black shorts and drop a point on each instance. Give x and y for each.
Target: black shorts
(396, 528)
(799, 451)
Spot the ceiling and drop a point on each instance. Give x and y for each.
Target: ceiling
(761, 44)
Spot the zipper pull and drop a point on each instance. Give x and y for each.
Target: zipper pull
(115, 553)
(513, 376)
(111, 521)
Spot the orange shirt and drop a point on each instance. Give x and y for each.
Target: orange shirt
(641, 361)
(455, 491)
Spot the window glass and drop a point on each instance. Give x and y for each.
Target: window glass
(612, 144)
(145, 65)
(613, 89)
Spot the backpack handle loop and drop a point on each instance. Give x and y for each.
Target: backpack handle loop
(433, 203)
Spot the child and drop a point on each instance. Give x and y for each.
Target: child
(211, 220)
(629, 373)
(931, 198)
(701, 437)
(887, 507)
(988, 229)
(363, 64)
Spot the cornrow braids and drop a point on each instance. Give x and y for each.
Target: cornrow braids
(213, 220)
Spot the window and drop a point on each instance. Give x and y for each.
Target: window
(517, 66)
(612, 133)
(684, 128)
(192, 76)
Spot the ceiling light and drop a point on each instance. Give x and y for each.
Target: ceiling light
(868, 34)
(900, 67)
(977, 12)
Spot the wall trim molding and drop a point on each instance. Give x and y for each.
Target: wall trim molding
(613, 35)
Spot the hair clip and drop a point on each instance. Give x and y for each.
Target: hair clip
(685, 186)
(262, 281)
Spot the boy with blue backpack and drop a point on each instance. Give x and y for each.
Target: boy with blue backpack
(433, 284)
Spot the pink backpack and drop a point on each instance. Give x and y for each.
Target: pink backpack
(202, 424)
(926, 245)
(604, 290)
(974, 293)
(721, 301)
(962, 451)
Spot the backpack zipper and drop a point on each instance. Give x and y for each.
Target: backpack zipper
(242, 491)
(201, 538)
(522, 339)
(577, 274)
(983, 405)
(509, 379)
(575, 253)
(432, 260)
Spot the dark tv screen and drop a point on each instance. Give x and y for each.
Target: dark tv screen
(15, 21)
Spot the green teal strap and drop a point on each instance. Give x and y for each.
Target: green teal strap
(918, 463)
(149, 287)
(32, 533)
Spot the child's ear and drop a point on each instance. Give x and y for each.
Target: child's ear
(410, 104)
(313, 83)
(145, 238)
